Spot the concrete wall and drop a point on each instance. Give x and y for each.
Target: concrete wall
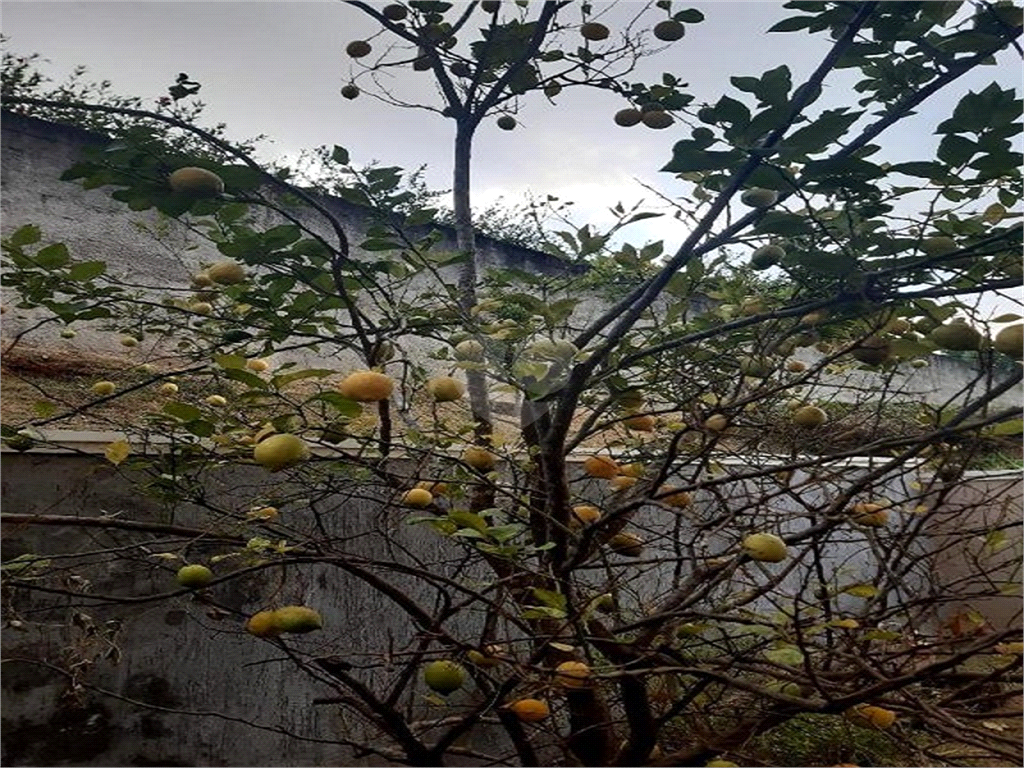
(180, 656)
(94, 226)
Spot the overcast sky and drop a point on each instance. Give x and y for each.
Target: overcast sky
(276, 68)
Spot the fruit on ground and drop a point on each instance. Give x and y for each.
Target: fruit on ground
(626, 544)
(394, 12)
(227, 272)
(530, 710)
(667, 494)
(918, 363)
(257, 364)
(201, 307)
(627, 117)
(480, 459)
(721, 764)
(357, 49)
(168, 389)
(657, 120)
(716, 423)
(572, 674)
(217, 401)
(796, 366)
(865, 513)
(874, 350)
(669, 30)
(444, 676)
(68, 333)
(765, 547)
(103, 388)
(129, 341)
(869, 716)
(445, 389)
(366, 386)
(601, 466)
(584, 514)
(640, 423)
(809, 416)
(470, 349)
(1010, 340)
(194, 576)
(956, 336)
(197, 182)
(766, 256)
(297, 619)
(279, 451)
(594, 31)
(506, 122)
(938, 246)
(263, 624)
(418, 497)
(757, 197)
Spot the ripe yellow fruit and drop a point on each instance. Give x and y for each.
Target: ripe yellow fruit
(480, 459)
(622, 482)
(868, 716)
(201, 307)
(530, 710)
(257, 364)
(227, 272)
(297, 619)
(67, 333)
(594, 31)
(445, 389)
(129, 341)
(263, 513)
(756, 197)
(956, 336)
(201, 280)
(669, 30)
(279, 451)
(657, 120)
(263, 624)
(103, 388)
(627, 117)
(366, 386)
(572, 674)
(197, 182)
(874, 350)
(601, 466)
(636, 469)
(626, 544)
(418, 497)
(357, 49)
(194, 576)
(217, 401)
(796, 366)
(1010, 340)
(444, 676)
(716, 423)
(674, 498)
(435, 487)
(919, 363)
(640, 423)
(168, 389)
(875, 515)
(506, 122)
(938, 246)
(809, 416)
(584, 514)
(721, 764)
(765, 547)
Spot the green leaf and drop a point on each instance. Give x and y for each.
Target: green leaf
(689, 16)
(87, 270)
(835, 263)
(864, 591)
(308, 373)
(956, 150)
(792, 24)
(340, 155)
(784, 223)
(823, 132)
(53, 256)
(1011, 427)
(338, 402)
(788, 655)
(26, 235)
(230, 361)
(245, 377)
(549, 598)
(465, 519)
(182, 411)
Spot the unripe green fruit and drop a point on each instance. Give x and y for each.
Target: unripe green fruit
(279, 451)
(357, 49)
(470, 349)
(956, 336)
(194, 576)
(938, 246)
(1009, 341)
(657, 120)
(197, 182)
(506, 122)
(103, 388)
(594, 31)
(766, 256)
(756, 197)
(394, 12)
(444, 676)
(461, 69)
(490, 6)
(669, 30)
(628, 117)
(350, 91)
